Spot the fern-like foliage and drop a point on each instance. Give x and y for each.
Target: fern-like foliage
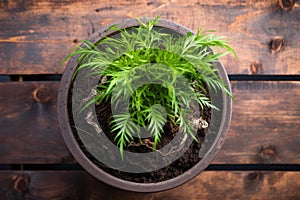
(124, 62)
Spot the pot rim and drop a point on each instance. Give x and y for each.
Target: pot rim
(93, 169)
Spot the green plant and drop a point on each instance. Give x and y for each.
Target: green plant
(162, 60)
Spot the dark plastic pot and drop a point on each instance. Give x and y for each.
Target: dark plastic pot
(213, 141)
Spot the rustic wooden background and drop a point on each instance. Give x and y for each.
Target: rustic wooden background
(260, 158)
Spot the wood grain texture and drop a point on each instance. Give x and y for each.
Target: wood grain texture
(28, 120)
(36, 35)
(265, 126)
(264, 129)
(208, 185)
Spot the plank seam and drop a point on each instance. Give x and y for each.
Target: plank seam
(232, 77)
(211, 167)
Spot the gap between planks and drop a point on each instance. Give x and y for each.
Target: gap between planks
(263, 129)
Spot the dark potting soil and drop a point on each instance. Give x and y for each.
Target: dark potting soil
(187, 160)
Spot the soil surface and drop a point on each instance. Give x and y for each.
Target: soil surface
(182, 164)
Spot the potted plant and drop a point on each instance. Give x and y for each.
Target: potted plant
(144, 105)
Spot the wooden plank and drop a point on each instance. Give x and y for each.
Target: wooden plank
(265, 125)
(32, 58)
(207, 185)
(264, 129)
(29, 128)
(35, 35)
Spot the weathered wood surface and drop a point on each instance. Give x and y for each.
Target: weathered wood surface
(265, 126)
(264, 129)
(29, 128)
(36, 35)
(207, 185)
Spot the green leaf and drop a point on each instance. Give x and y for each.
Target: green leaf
(123, 61)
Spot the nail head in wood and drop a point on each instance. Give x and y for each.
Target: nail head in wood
(276, 45)
(41, 95)
(22, 183)
(256, 68)
(267, 154)
(286, 5)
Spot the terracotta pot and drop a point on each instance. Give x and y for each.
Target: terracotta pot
(213, 141)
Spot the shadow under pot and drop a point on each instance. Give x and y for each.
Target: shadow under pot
(143, 164)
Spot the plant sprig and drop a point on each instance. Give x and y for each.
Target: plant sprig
(123, 62)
